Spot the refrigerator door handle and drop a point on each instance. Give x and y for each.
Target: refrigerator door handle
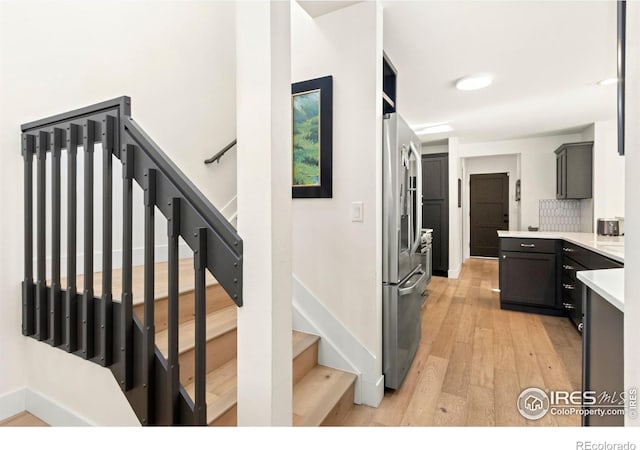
(418, 193)
(411, 289)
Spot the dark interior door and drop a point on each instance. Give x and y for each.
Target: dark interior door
(435, 208)
(488, 212)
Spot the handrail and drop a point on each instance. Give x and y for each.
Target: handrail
(113, 336)
(218, 155)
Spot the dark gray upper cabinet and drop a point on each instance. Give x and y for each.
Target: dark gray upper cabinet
(574, 169)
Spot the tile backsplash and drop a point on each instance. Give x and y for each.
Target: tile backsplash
(560, 215)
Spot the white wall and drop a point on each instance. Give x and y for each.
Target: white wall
(456, 167)
(177, 62)
(632, 207)
(431, 149)
(338, 260)
(537, 168)
(608, 172)
(586, 205)
(490, 164)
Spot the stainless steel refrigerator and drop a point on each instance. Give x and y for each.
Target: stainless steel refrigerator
(403, 275)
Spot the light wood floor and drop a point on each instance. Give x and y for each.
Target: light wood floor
(475, 359)
(24, 419)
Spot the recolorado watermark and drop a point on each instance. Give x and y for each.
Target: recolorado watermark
(590, 445)
(535, 403)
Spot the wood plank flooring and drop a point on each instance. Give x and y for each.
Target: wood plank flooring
(474, 359)
(24, 419)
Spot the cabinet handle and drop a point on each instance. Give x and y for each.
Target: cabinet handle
(528, 245)
(568, 250)
(568, 306)
(568, 286)
(580, 327)
(568, 267)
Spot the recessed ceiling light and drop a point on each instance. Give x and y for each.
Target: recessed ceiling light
(473, 82)
(608, 81)
(442, 127)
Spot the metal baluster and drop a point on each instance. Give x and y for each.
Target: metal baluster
(173, 306)
(200, 264)
(149, 297)
(28, 149)
(55, 334)
(106, 318)
(127, 156)
(41, 287)
(73, 139)
(87, 296)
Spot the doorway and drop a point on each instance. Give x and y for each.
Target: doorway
(488, 212)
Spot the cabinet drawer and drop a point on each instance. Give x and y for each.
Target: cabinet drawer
(570, 267)
(602, 262)
(577, 253)
(528, 245)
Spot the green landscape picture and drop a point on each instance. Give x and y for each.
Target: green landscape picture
(306, 139)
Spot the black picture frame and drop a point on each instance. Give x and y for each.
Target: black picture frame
(621, 41)
(322, 188)
(459, 193)
(517, 190)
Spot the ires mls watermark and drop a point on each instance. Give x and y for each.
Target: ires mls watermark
(535, 403)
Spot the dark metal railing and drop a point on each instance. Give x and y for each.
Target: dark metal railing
(98, 328)
(219, 155)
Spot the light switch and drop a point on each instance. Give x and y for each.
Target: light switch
(357, 212)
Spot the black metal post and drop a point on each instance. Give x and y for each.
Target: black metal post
(200, 264)
(73, 139)
(149, 293)
(41, 287)
(173, 222)
(127, 157)
(55, 332)
(106, 318)
(87, 296)
(28, 149)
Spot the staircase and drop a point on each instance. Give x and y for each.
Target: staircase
(167, 331)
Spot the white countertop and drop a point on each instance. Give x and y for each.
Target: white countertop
(609, 246)
(608, 283)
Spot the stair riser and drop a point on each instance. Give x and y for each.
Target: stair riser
(304, 362)
(219, 351)
(217, 299)
(343, 407)
(228, 419)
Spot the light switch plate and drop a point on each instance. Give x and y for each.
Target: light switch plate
(357, 212)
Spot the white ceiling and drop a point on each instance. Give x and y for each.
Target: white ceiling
(546, 57)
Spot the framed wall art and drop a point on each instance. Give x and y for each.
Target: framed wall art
(312, 137)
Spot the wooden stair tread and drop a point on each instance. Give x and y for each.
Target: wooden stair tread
(218, 323)
(302, 341)
(317, 393)
(221, 387)
(186, 280)
(221, 383)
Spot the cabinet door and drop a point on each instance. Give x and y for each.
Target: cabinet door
(561, 174)
(528, 278)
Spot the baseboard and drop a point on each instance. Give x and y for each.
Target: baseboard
(41, 406)
(12, 403)
(310, 315)
(230, 209)
(454, 273)
(53, 413)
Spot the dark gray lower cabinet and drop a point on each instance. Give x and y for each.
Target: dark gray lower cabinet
(603, 358)
(528, 278)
